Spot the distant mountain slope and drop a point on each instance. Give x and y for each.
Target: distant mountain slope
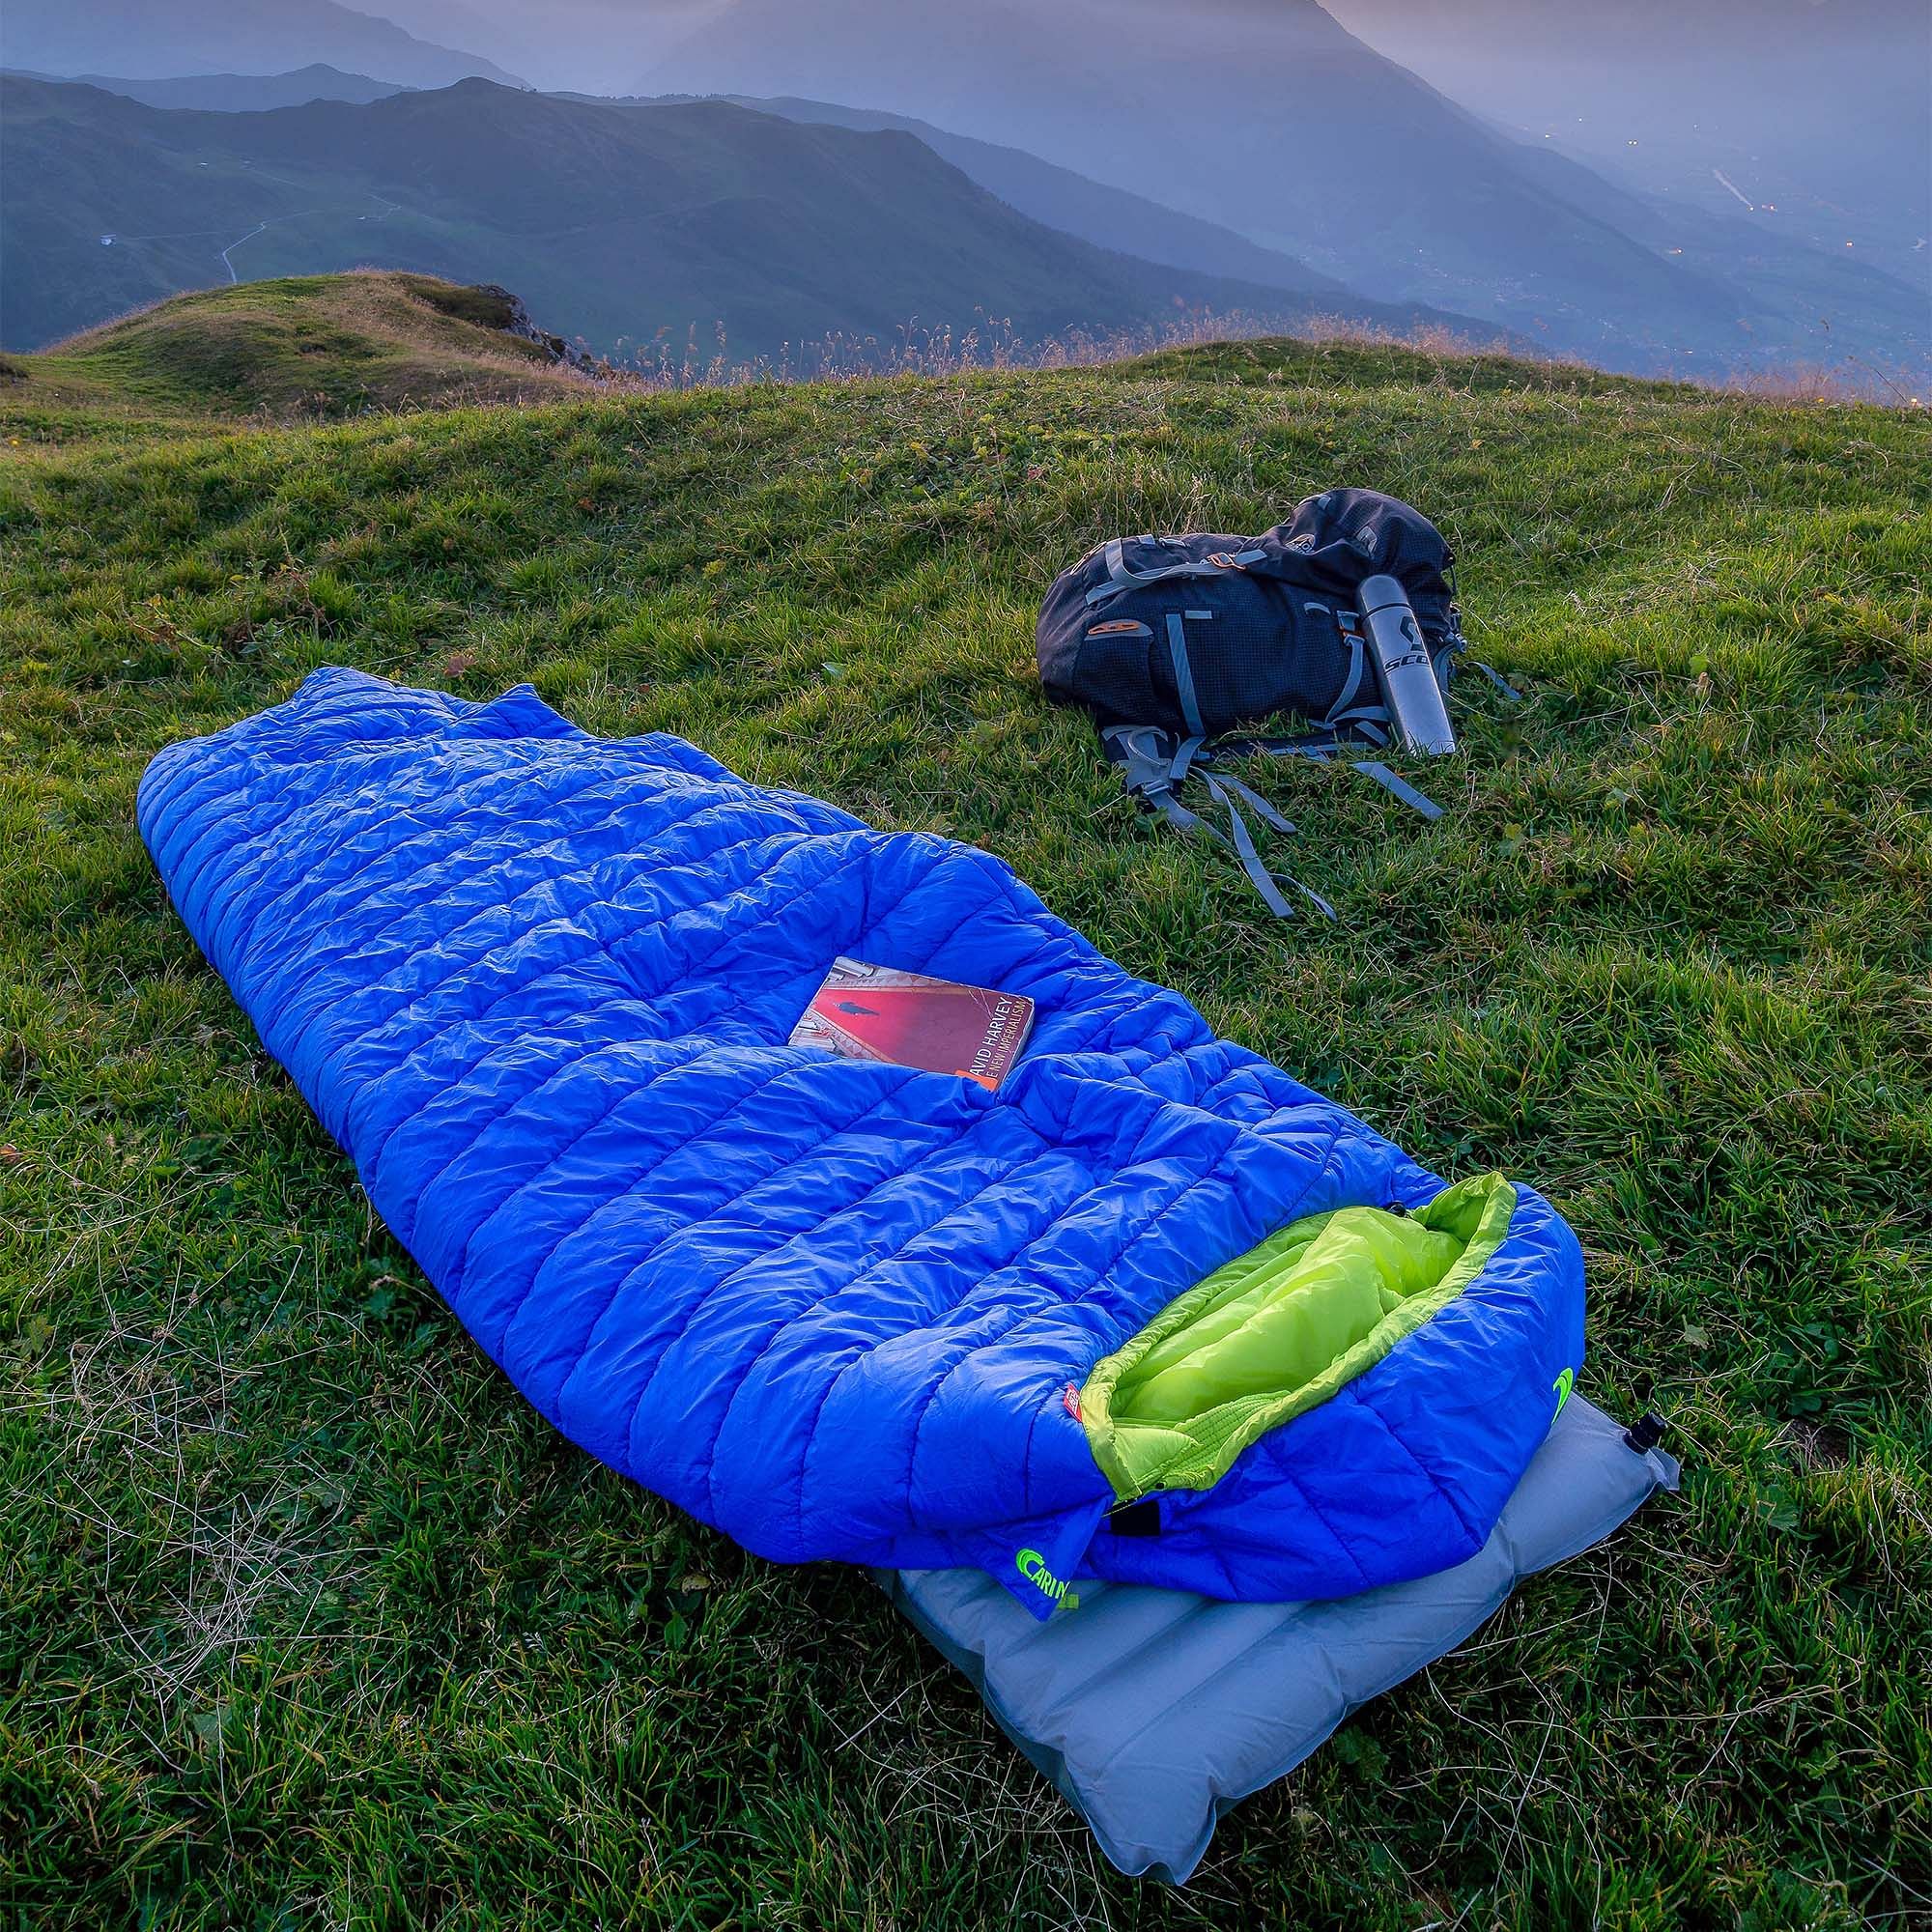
(318, 346)
(241, 93)
(1266, 116)
(158, 39)
(618, 223)
(1260, 114)
(1777, 275)
(1823, 109)
(1110, 218)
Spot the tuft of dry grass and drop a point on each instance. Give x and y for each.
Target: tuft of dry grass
(371, 342)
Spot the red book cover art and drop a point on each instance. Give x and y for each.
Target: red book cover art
(909, 1019)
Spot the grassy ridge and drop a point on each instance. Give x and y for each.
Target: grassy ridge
(305, 1619)
(307, 348)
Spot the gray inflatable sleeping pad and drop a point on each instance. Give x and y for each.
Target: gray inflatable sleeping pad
(1154, 1711)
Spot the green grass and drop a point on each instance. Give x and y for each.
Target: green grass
(304, 1619)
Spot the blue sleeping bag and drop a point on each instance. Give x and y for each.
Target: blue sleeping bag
(1153, 1312)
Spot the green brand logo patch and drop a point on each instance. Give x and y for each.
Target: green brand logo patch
(1032, 1565)
(1563, 1384)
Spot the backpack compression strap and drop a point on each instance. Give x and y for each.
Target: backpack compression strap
(1351, 716)
(1121, 573)
(1153, 762)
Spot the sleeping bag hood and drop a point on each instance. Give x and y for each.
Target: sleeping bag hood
(1153, 1312)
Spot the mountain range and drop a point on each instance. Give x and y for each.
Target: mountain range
(1267, 117)
(236, 93)
(155, 38)
(1253, 155)
(1112, 218)
(1768, 279)
(622, 224)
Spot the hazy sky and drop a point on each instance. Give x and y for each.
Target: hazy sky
(598, 46)
(1532, 63)
(574, 42)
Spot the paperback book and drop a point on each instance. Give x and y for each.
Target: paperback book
(909, 1019)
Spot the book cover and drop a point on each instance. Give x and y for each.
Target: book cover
(909, 1019)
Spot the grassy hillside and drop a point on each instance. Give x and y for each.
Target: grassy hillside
(633, 223)
(305, 1618)
(320, 346)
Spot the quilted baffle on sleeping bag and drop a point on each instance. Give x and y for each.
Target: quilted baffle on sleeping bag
(1153, 1312)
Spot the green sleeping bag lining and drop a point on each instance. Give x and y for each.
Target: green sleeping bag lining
(1278, 1331)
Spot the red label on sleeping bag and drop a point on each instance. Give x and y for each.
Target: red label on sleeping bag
(910, 1019)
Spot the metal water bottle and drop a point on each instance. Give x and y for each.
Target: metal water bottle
(1409, 684)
